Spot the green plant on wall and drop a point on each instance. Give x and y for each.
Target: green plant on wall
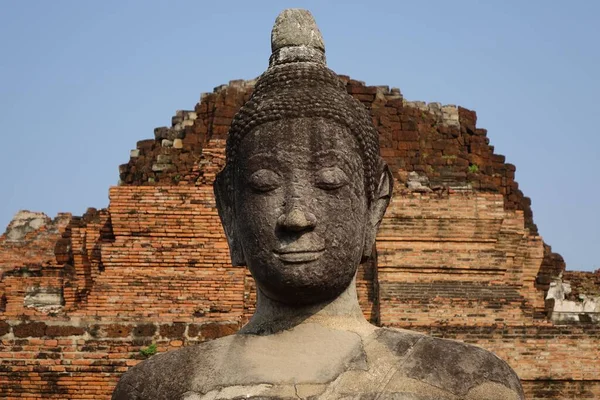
(473, 168)
(149, 351)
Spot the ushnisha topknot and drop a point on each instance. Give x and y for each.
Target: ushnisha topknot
(296, 37)
(298, 84)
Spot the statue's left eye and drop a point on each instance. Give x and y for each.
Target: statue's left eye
(264, 180)
(331, 178)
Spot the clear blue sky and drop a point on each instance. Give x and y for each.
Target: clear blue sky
(82, 81)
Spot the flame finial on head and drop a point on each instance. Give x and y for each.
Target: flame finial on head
(296, 37)
(296, 27)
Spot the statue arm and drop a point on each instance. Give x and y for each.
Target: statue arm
(503, 384)
(127, 387)
(467, 371)
(496, 391)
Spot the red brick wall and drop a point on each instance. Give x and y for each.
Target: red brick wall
(561, 389)
(458, 257)
(36, 248)
(439, 142)
(586, 283)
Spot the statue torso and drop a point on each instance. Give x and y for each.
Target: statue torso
(314, 362)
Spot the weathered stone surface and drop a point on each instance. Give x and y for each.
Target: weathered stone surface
(214, 331)
(4, 328)
(144, 330)
(296, 27)
(175, 330)
(25, 222)
(160, 167)
(64, 330)
(301, 197)
(43, 298)
(117, 330)
(161, 133)
(163, 159)
(418, 183)
(385, 363)
(584, 308)
(33, 329)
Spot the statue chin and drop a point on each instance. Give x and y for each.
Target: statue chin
(301, 287)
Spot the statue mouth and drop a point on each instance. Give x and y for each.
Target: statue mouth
(298, 256)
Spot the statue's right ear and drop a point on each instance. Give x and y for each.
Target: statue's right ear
(226, 210)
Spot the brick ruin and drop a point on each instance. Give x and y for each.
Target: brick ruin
(82, 299)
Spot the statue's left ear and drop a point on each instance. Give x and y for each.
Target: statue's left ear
(225, 207)
(383, 195)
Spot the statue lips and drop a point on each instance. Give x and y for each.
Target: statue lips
(299, 256)
(305, 249)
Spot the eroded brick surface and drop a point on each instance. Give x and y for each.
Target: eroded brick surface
(458, 256)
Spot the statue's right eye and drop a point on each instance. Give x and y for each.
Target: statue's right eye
(264, 180)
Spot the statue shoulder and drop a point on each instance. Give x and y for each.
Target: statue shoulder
(169, 375)
(465, 370)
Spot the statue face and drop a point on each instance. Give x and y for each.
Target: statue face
(300, 208)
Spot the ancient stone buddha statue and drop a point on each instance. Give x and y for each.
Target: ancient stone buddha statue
(301, 196)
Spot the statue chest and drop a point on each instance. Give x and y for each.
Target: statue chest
(338, 365)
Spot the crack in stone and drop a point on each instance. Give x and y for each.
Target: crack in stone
(393, 370)
(296, 391)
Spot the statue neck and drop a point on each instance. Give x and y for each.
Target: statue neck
(341, 313)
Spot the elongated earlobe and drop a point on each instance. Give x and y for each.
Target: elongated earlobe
(227, 215)
(380, 202)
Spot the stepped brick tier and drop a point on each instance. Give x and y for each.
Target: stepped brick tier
(82, 299)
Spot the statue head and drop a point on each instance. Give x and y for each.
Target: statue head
(304, 188)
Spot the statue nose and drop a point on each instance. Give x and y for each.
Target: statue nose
(297, 220)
